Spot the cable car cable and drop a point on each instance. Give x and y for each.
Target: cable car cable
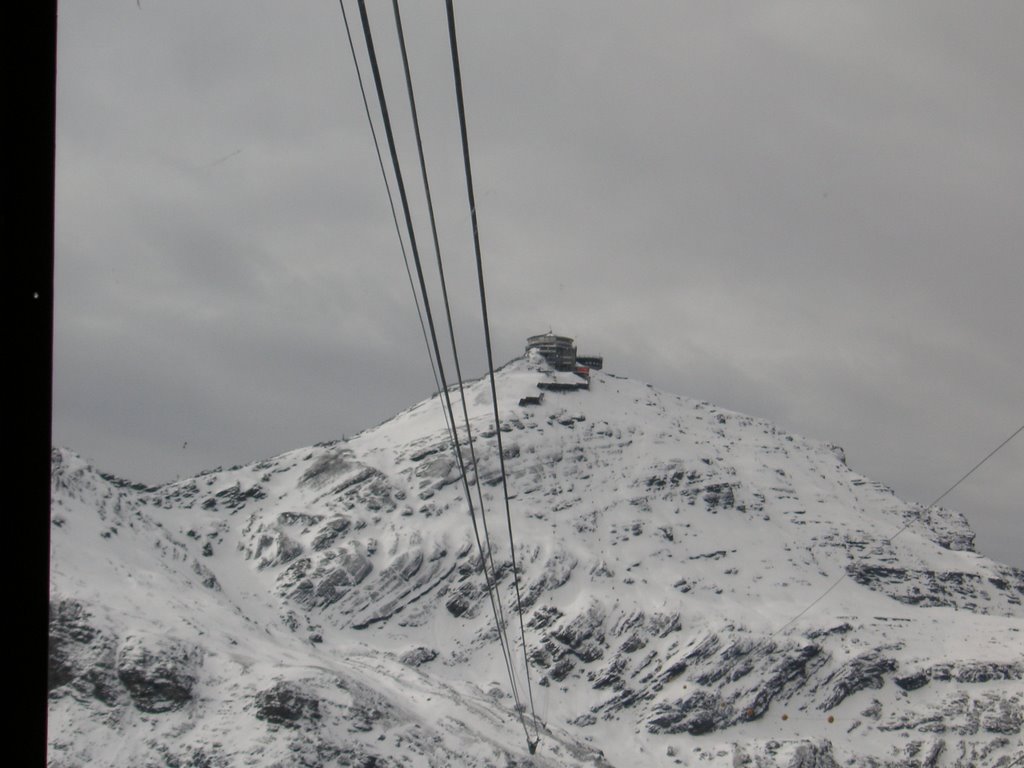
(444, 294)
(457, 72)
(450, 417)
(391, 203)
(371, 52)
(914, 518)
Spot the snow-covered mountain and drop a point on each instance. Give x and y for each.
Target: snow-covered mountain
(325, 607)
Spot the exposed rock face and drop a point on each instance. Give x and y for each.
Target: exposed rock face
(583, 637)
(286, 704)
(929, 588)
(814, 756)
(158, 672)
(330, 532)
(82, 656)
(946, 527)
(350, 568)
(866, 671)
(417, 657)
(207, 577)
(695, 715)
(330, 602)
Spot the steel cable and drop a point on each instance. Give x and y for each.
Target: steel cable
(403, 197)
(457, 71)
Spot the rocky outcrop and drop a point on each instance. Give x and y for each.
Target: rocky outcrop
(556, 571)
(817, 755)
(276, 548)
(207, 577)
(955, 589)
(156, 674)
(699, 713)
(286, 704)
(865, 671)
(964, 713)
(417, 657)
(584, 635)
(946, 527)
(159, 673)
(83, 657)
(330, 465)
(330, 531)
(350, 568)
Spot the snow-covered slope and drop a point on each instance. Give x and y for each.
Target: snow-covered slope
(325, 607)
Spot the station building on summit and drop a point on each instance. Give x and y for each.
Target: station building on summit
(560, 353)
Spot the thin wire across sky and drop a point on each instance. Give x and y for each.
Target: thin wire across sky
(422, 300)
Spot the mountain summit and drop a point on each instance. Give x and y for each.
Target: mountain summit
(325, 607)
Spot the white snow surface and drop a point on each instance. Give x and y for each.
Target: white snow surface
(325, 606)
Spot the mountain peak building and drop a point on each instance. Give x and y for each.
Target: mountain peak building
(560, 352)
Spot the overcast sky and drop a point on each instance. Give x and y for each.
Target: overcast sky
(811, 212)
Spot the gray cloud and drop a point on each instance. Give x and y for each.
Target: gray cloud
(808, 212)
